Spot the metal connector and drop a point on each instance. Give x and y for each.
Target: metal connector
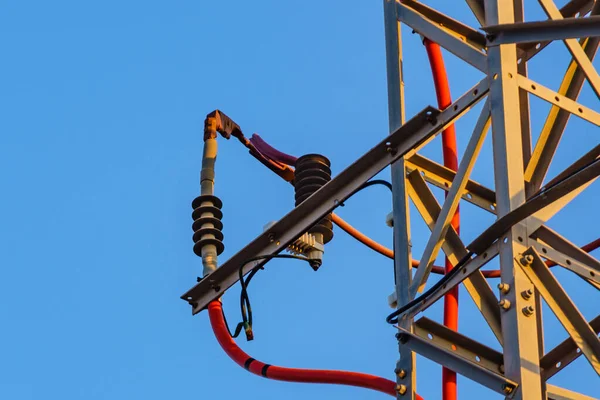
(309, 245)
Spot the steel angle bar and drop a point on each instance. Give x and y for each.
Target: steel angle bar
(405, 141)
(466, 271)
(454, 27)
(580, 163)
(563, 354)
(559, 100)
(522, 336)
(478, 9)
(558, 393)
(535, 205)
(444, 218)
(472, 370)
(576, 8)
(561, 305)
(557, 119)
(463, 346)
(442, 177)
(564, 261)
(432, 31)
(455, 250)
(574, 48)
(572, 9)
(522, 69)
(564, 246)
(538, 31)
(401, 214)
(587, 160)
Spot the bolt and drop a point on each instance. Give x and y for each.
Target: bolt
(527, 260)
(271, 237)
(528, 311)
(402, 337)
(214, 285)
(401, 389)
(507, 389)
(401, 373)
(504, 288)
(526, 294)
(504, 304)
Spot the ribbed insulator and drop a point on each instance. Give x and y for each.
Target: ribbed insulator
(207, 224)
(311, 173)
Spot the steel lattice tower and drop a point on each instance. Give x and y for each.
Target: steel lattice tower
(522, 202)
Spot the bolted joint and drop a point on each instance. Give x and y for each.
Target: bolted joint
(528, 311)
(526, 294)
(504, 304)
(504, 288)
(401, 389)
(527, 260)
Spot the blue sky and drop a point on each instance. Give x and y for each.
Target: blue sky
(102, 112)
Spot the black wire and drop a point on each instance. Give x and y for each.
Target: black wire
(390, 319)
(238, 328)
(245, 307)
(372, 183)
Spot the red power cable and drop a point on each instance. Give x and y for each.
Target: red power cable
(444, 99)
(215, 313)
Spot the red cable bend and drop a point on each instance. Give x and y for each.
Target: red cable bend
(215, 312)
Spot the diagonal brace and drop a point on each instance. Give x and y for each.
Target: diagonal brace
(564, 353)
(455, 250)
(561, 305)
(574, 48)
(444, 218)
